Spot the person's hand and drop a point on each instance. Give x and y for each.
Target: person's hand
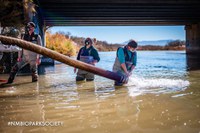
(74, 70)
(126, 77)
(128, 74)
(38, 61)
(93, 62)
(19, 59)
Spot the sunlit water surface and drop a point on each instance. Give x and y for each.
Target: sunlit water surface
(161, 96)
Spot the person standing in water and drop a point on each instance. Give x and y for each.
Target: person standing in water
(27, 57)
(125, 60)
(89, 55)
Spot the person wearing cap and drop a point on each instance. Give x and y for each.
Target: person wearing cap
(125, 60)
(27, 57)
(87, 54)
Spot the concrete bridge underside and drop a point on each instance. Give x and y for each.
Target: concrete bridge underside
(125, 12)
(121, 13)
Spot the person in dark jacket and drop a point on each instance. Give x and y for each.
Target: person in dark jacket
(125, 60)
(87, 54)
(27, 57)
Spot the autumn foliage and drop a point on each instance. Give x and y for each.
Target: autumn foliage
(60, 43)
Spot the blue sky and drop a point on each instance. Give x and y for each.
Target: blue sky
(120, 34)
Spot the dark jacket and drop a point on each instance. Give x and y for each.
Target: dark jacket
(88, 52)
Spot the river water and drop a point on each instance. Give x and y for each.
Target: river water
(161, 97)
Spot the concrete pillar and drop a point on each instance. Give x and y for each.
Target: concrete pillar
(44, 36)
(193, 38)
(0, 28)
(193, 46)
(1, 53)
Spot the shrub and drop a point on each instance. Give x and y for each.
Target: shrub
(60, 43)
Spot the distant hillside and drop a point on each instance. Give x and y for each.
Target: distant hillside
(100, 45)
(143, 45)
(171, 45)
(156, 42)
(153, 42)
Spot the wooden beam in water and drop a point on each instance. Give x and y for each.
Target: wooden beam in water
(62, 58)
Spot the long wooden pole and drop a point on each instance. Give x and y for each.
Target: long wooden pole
(62, 58)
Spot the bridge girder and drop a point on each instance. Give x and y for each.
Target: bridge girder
(119, 12)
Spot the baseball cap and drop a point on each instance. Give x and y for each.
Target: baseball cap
(31, 24)
(133, 44)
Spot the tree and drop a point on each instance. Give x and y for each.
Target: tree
(12, 12)
(176, 43)
(60, 43)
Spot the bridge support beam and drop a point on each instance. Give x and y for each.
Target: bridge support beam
(193, 46)
(0, 28)
(193, 38)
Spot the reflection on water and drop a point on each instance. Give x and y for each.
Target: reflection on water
(158, 98)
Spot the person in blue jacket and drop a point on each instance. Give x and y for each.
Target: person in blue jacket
(125, 60)
(89, 55)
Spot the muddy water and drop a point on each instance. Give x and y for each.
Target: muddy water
(161, 96)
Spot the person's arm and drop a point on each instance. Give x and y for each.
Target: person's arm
(19, 55)
(79, 53)
(134, 61)
(123, 65)
(96, 57)
(121, 58)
